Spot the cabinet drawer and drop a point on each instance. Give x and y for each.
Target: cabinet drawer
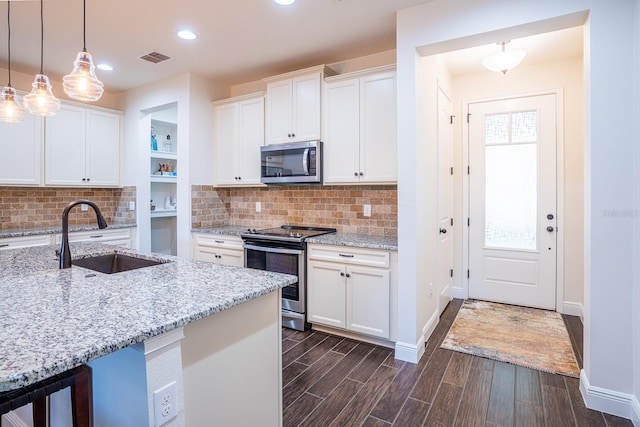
(218, 241)
(25, 241)
(349, 255)
(120, 237)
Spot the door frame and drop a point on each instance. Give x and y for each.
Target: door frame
(560, 212)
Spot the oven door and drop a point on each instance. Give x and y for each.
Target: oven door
(280, 259)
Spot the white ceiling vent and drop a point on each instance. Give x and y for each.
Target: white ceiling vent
(154, 57)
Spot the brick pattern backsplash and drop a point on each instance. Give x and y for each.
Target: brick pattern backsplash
(28, 208)
(324, 206)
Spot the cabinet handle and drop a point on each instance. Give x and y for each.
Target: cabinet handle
(361, 174)
(348, 275)
(346, 255)
(342, 273)
(293, 135)
(84, 179)
(355, 174)
(219, 241)
(4, 245)
(97, 236)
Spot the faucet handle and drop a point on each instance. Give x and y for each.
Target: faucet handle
(58, 253)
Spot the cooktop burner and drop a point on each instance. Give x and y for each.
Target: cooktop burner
(286, 232)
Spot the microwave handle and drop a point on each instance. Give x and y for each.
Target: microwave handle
(305, 161)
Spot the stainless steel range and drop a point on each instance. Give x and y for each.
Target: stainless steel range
(283, 250)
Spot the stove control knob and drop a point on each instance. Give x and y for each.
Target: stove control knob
(298, 234)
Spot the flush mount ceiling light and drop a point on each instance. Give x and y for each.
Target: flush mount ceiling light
(285, 2)
(82, 84)
(187, 35)
(41, 101)
(10, 108)
(504, 60)
(104, 67)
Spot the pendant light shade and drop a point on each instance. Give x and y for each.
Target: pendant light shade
(504, 60)
(82, 84)
(41, 100)
(10, 108)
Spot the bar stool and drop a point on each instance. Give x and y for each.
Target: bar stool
(79, 379)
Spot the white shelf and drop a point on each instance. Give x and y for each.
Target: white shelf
(163, 155)
(163, 178)
(160, 213)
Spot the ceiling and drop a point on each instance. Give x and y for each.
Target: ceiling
(238, 41)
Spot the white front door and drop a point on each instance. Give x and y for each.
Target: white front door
(512, 201)
(445, 199)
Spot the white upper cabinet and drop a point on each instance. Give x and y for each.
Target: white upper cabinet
(293, 106)
(359, 127)
(238, 134)
(82, 147)
(21, 151)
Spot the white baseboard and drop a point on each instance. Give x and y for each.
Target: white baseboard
(458, 293)
(608, 401)
(412, 353)
(635, 416)
(430, 326)
(573, 309)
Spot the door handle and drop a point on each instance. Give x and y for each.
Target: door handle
(443, 231)
(550, 229)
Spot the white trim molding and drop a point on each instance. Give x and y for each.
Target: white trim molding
(13, 420)
(413, 352)
(573, 309)
(608, 401)
(635, 416)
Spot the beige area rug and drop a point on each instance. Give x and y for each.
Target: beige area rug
(523, 336)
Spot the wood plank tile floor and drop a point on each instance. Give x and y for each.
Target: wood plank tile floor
(334, 381)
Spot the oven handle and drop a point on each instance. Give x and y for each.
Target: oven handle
(274, 250)
(292, 315)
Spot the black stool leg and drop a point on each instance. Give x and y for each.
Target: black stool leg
(39, 409)
(82, 397)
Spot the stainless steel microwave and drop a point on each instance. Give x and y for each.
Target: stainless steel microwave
(295, 163)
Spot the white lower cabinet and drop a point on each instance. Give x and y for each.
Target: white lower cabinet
(349, 288)
(225, 250)
(25, 241)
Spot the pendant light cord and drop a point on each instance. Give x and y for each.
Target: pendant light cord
(41, 36)
(9, 40)
(84, 25)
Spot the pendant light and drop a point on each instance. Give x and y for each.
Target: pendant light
(504, 60)
(10, 108)
(82, 84)
(41, 101)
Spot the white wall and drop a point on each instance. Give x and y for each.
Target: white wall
(636, 219)
(444, 25)
(565, 75)
(192, 94)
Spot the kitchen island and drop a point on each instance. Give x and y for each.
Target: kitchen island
(199, 325)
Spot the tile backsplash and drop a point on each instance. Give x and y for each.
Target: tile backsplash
(27, 208)
(323, 206)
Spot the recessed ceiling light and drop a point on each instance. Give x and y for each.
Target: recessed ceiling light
(104, 67)
(187, 35)
(285, 2)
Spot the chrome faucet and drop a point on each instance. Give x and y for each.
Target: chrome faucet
(65, 253)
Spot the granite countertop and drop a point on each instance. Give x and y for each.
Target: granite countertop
(228, 230)
(369, 241)
(56, 230)
(54, 320)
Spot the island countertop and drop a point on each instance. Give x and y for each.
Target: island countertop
(54, 320)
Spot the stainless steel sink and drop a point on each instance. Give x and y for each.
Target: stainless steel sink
(114, 263)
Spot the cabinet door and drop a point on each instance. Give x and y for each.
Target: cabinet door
(341, 131)
(231, 257)
(368, 301)
(306, 107)
(225, 122)
(203, 253)
(326, 293)
(278, 112)
(250, 139)
(378, 133)
(65, 147)
(21, 151)
(102, 148)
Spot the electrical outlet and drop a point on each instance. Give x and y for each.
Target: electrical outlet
(366, 211)
(164, 404)
(84, 207)
(430, 290)
(132, 206)
(258, 207)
